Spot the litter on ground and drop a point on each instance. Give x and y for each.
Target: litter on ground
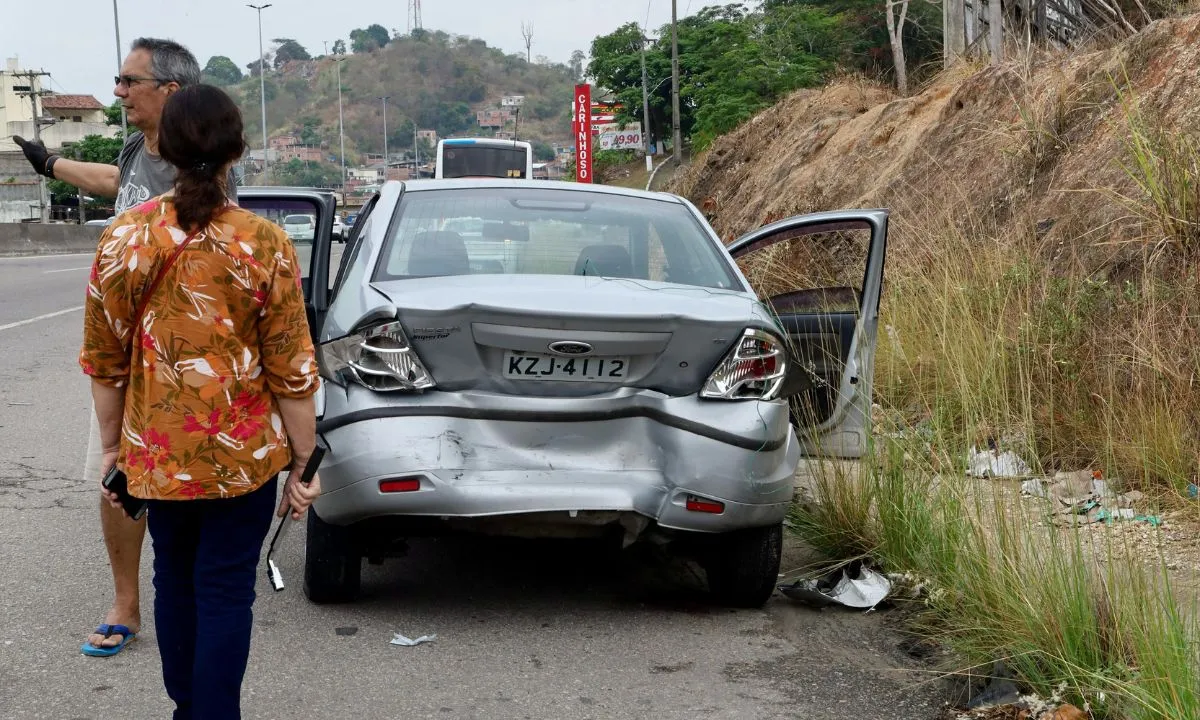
(1085, 493)
(864, 590)
(398, 639)
(995, 464)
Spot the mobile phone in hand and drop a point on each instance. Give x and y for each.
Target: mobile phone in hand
(116, 482)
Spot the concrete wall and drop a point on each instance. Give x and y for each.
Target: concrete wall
(19, 200)
(49, 239)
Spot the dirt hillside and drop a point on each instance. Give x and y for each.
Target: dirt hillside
(1037, 141)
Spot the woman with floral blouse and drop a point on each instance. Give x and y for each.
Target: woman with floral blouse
(203, 372)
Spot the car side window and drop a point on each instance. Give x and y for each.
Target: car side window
(347, 253)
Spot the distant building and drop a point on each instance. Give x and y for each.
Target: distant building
(493, 118)
(369, 174)
(64, 118)
(74, 108)
(429, 136)
(282, 141)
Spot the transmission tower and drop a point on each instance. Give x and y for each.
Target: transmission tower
(414, 15)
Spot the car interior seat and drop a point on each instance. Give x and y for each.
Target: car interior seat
(438, 252)
(604, 261)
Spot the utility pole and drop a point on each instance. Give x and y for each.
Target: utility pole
(117, 28)
(341, 128)
(676, 134)
(262, 84)
(82, 217)
(33, 95)
(646, 109)
(416, 152)
(384, 99)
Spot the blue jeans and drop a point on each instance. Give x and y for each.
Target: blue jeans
(205, 561)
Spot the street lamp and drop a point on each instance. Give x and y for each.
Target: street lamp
(262, 80)
(341, 131)
(117, 28)
(385, 148)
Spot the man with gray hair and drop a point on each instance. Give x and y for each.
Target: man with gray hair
(153, 70)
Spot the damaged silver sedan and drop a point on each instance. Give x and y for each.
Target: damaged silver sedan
(556, 359)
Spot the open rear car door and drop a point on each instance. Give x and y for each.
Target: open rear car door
(822, 276)
(313, 247)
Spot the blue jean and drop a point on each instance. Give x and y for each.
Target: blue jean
(205, 561)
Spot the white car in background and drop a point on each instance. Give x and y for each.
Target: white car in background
(340, 229)
(300, 227)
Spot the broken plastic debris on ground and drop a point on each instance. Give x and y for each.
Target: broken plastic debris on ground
(863, 589)
(992, 463)
(398, 639)
(1083, 497)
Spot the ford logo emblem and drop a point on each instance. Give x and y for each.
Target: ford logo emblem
(570, 347)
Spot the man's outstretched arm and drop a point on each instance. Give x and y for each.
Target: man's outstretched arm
(93, 178)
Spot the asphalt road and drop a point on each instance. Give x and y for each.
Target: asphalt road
(525, 629)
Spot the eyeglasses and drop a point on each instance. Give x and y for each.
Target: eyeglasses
(131, 80)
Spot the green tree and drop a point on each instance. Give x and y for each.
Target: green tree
(733, 62)
(92, 148)
(542, 151)
(112, 113)
(339, 47)
(221, 71)
(310, 130)
(255, 66)
(312, 174)
(287, 50)
(372, 37)
(576, 65)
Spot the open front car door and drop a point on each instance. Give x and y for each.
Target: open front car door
(822, 276)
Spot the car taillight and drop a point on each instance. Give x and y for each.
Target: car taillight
(753, 369)
(379, 358)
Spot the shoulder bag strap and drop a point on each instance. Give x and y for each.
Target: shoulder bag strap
(141, 308)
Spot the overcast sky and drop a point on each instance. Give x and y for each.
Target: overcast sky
(73, 40)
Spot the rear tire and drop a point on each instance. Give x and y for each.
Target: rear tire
(332, 565)
(743, 566)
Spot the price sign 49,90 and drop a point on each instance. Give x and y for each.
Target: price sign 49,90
(620, 140)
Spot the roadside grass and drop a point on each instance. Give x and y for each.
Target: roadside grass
(1110, 636)
(1001, 335)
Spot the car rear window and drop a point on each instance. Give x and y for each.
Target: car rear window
(297, 220)
(462, 231)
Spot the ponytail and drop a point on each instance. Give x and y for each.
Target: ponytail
(198, 195)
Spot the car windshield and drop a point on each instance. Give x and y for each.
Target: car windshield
(297, 220)
(464, 231)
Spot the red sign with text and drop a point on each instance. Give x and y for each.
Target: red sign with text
(583, 133)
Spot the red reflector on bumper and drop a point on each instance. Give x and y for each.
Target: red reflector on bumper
(697, 504)
(401, 485)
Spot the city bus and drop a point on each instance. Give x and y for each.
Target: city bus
(484, 157)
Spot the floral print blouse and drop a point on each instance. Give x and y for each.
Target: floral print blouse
(224, 335)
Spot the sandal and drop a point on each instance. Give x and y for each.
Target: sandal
(108, 631)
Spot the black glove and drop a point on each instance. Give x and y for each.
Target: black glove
(37, 155)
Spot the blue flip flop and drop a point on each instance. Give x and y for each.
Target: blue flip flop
(108, 631)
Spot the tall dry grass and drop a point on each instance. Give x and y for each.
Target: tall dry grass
(1014, 335)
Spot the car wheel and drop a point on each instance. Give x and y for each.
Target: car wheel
(743, 566)
(332, 566)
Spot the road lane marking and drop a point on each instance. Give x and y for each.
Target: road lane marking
(47, 316)
(46, 256)
(74, 269)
